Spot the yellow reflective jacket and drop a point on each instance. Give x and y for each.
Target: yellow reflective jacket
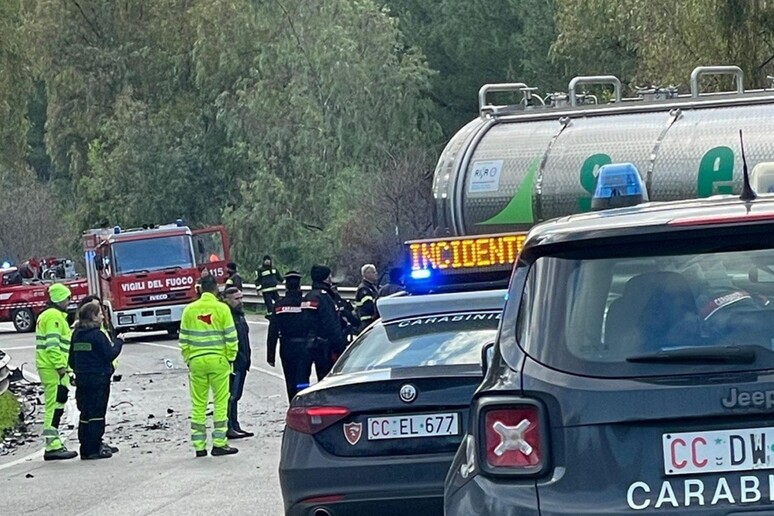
(207, 328)
(52, 339)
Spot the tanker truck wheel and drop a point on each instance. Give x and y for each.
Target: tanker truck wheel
(23, 320)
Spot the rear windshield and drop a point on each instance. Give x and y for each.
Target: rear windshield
(606, 311)
(441, 340)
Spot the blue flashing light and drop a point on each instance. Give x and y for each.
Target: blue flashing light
(6, 265)
(618, 185)
(116, 230)
(180, 223)
(420, 274)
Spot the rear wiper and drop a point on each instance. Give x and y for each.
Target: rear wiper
(699, 355)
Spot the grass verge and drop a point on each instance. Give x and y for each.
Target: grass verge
(9, 412)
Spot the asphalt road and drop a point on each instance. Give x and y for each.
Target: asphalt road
(155, 471)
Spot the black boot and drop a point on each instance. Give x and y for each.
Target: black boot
(223, 450)
(103, 453)
(60, 454)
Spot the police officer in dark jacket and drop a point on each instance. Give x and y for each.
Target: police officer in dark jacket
(290, 325)
(267, 283)
(350, 322)
(326, 339)
(365, 297)
(232, 296)
(91, 359)
(395, 285)
(234, 279)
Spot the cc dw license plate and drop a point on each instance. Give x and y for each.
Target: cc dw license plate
(418, 425)
(718, 451)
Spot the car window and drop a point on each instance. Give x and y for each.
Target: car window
(440, 340)
(594, 314)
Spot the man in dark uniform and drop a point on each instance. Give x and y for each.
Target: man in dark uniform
(232, 296)
(234, 279)
(365, 298)
(395, 285)
(326, 338)
(290, 325)
(266, 281)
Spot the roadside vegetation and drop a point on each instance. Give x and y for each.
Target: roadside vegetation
(311, 129)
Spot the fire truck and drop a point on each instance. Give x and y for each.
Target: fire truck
(146, 276)
(520, 163)
(24, 289)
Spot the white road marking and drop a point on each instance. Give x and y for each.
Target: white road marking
(6, 348)
(176, 348)
(261, 323)
(71, 414)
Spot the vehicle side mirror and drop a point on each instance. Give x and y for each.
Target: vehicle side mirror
(98, 263)
(200, 247)
(487, 355)
(758, 274)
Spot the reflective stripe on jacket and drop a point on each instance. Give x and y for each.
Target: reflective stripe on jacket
(267, 279)
(365, 301)
(52, 339)
(207, 328)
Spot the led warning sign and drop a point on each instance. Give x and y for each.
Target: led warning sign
(465, 254)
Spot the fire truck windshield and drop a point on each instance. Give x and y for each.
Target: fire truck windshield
(152, 254)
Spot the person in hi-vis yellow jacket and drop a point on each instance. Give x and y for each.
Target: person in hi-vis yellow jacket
(208, 342)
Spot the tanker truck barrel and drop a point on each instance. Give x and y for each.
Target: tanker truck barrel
(514, 166)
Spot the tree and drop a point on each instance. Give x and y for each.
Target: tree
(470, 44)
(660, 42)
(15, 86)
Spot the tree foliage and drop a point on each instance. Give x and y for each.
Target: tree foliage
(660, 42)
(309, 128)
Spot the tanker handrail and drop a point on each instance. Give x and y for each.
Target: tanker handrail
(597, 80)
(505, 87)
(700, 71)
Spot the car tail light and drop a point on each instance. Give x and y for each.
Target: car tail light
(513, 439)
(310, 420)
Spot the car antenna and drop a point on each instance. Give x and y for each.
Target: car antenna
(748, 194)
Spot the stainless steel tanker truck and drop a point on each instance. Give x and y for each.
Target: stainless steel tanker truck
(516, 165)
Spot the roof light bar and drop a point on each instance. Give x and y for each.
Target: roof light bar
(618, 185)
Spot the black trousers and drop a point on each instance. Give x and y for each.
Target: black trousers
(92, 392)
(236, 388)
(294, 357)
(321, 358)
(269, 299)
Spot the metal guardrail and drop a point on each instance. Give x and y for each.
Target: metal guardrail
(5, 372)
(251, 296)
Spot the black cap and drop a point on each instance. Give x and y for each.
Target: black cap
(293, 274)
(266, 257)
(231, 266)
(320, 273)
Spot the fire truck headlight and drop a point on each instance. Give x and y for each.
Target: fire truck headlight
(124, 320)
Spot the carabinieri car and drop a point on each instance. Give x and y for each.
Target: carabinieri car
(633, 370)
(377, 435)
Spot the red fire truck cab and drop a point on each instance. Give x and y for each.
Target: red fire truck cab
(146, 276)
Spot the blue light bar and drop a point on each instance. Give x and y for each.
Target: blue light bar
(420, 274)
(618, 185)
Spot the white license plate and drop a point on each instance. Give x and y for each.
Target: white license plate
(419, 425)
(717, 451)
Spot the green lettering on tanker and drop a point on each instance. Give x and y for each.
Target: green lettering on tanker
(519, 209)
(588, 178)
(717, 166)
